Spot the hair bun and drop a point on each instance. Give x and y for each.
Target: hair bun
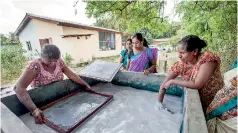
(203, 43)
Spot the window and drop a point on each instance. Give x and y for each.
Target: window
(28, 43)
(45, 41)
(106, 41)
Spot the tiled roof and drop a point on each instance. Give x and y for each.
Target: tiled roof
(60, 22)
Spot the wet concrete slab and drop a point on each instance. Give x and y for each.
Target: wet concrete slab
(101, 70)
(10, 123)
(131, 111)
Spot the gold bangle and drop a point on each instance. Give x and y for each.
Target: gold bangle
(162, 90)
(33, 113)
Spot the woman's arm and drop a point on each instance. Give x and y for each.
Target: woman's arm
(153, 62)
(128, 64)
(154, 54)
(162, 90)
(20, 88)
(150, 69)
(74, 77)
(170, 75)
(205, 72)
(121, 58)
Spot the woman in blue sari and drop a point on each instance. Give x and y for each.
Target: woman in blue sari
(126, 54)
(235, 64)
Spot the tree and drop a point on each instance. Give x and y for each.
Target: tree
(213, 21)
(134, 14)
(9, 39)
(12, 58)
(111, 22)
(12, 62)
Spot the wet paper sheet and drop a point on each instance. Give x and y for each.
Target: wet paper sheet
(67, 113)
(131, 111)
(101, 70)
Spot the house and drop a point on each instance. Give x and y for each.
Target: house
(162, 44)
(81, 41)
(159, 41)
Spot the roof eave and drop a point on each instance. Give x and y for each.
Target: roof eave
(85, 27)
(29, 16)
(25, 21)
(21, 25)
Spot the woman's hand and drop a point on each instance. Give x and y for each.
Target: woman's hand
(162, 90)
(88, 87)
(122, 68)
(38, 116)
(146, 72)
(161, 93)
(74, 77)
(159, 106)
(168, 84)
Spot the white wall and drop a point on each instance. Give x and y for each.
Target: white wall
(45, 30)
(84, 49)
(80, 49)
(28, 34)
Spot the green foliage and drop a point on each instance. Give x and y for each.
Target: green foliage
(12, 62)
(68, 59)
(111, 22)
(213, 21)
(130, 16)
(146, 34)
(169, 51)
(9, 39)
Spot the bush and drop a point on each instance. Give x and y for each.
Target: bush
(68, 59)
(13, 61)
(169, 50)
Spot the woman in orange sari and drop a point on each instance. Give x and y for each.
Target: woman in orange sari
(198, 70)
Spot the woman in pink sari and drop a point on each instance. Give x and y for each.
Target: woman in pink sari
(145, 58)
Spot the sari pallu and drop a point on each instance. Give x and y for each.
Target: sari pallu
(141, 61)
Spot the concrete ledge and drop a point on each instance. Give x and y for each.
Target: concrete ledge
(11, 123)
(194, 120)
(54, 91)
(140, 81)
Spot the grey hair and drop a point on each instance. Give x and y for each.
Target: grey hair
(50, 51)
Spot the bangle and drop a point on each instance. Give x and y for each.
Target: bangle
(162, 90)
(33, 113)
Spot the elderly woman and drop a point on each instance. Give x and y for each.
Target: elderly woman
(198, 70)
(42, 71)
(144, 58)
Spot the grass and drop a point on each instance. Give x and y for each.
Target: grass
(111, 58)
(160, 63)
(80, 66)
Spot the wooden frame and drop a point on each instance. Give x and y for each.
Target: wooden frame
(75, 125)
